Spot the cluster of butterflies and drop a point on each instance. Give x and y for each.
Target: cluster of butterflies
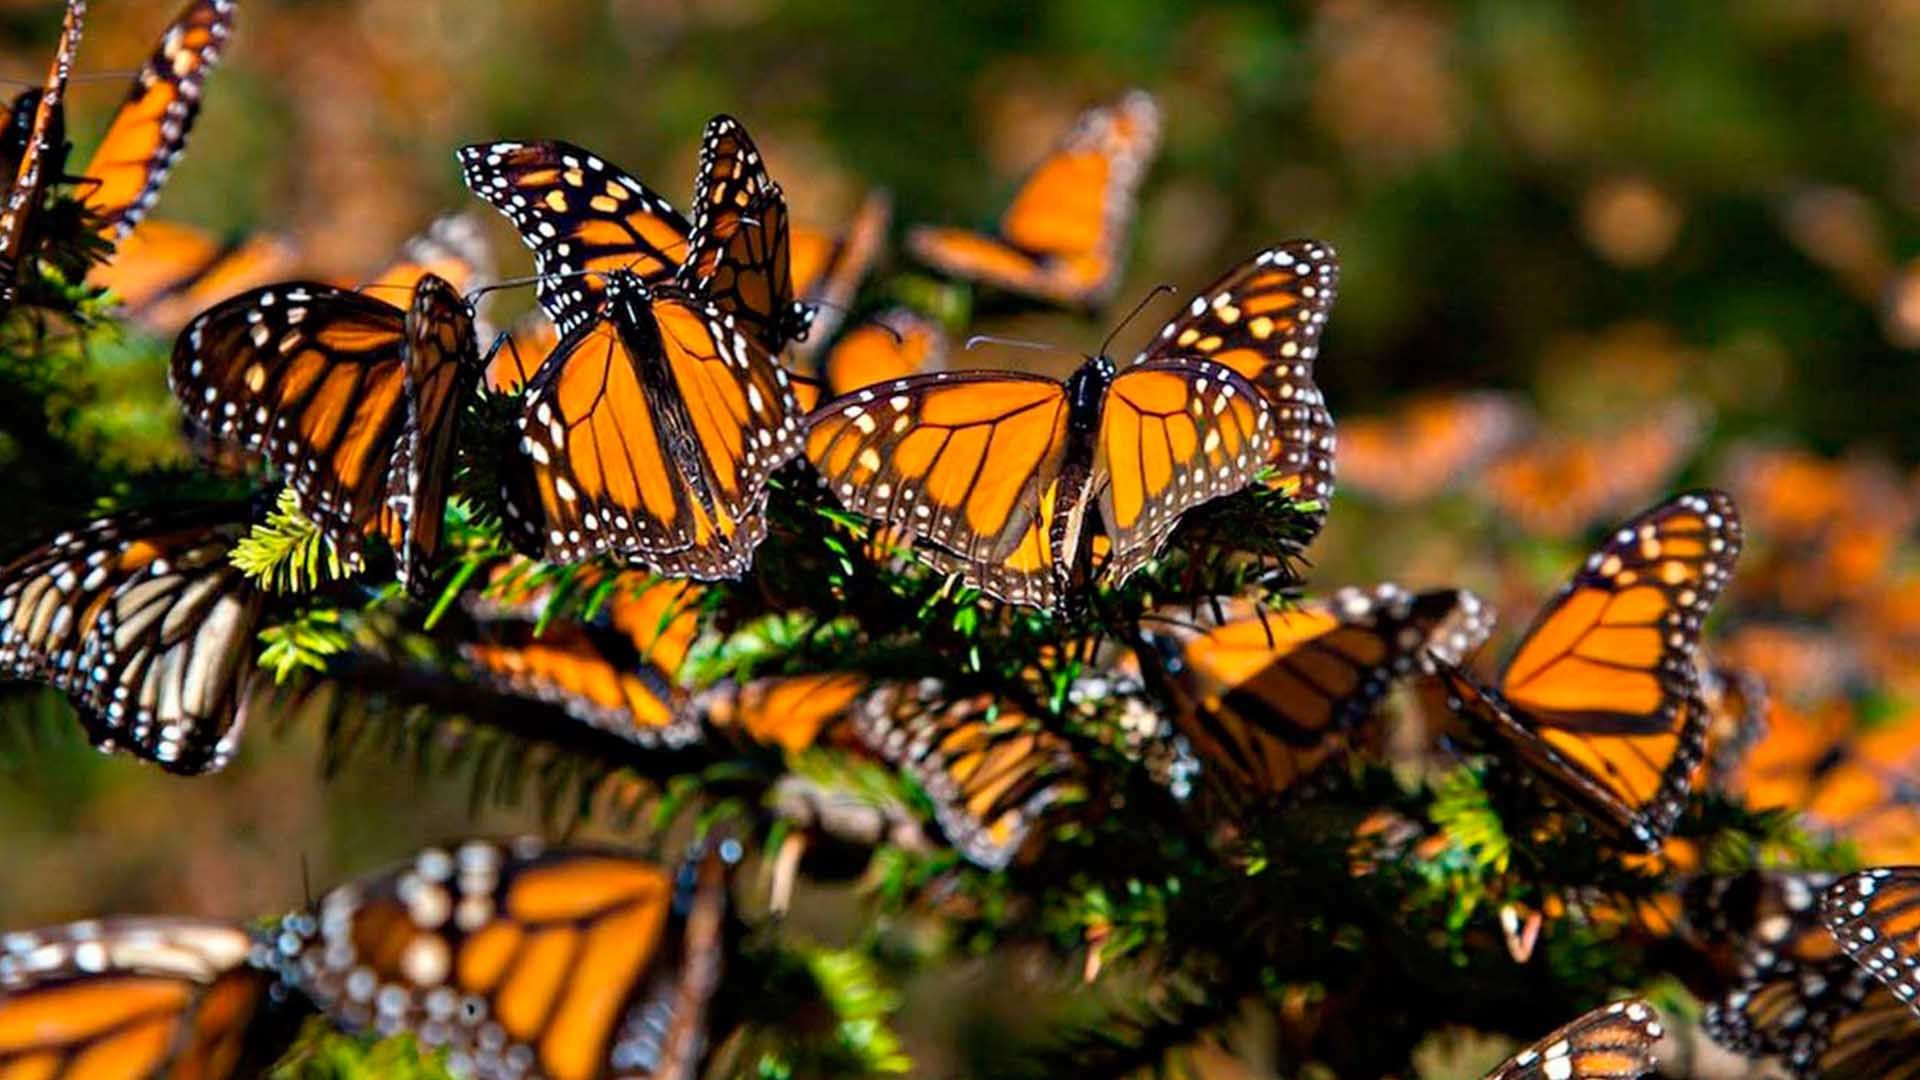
(683, 361)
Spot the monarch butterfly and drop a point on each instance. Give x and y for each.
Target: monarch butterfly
(584, 219)
(524, 961)
(892, 345)
(165, 273)
(1737, 704)
(990, 770)
(619, 677)
(149, 132)
(41, 154)
(1834, 527)
(1064, 236)
(1793, 983)
(144, 623)
(132, 998)
(650, 433)
(793, 712)
(354, 399)
(1427, 445)
(1602, 697)
(1267, 696)
(828, 269)
(1613, 1042)
(1871, 915)
(993, 473)
(1556, 485)
(529, 342)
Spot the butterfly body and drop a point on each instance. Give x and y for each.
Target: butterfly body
(650, 433)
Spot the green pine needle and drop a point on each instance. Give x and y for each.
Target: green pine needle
(288, 552)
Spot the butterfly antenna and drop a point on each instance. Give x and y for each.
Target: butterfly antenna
(1152, 294)
(1015, 343)
(533, 279)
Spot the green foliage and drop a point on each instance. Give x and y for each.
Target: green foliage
(324, 1053)
(305, 642)
(288, 552)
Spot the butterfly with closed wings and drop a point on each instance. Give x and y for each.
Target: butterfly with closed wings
(354, 400)
(994, 474)
(1602, 697)
(1064, 236)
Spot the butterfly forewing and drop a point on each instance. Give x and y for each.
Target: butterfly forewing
(42, 157)
(128, 997)
(578, 213)
(651, 433)
(522, 962)
(793, 712)
(827, 271)
(149, 132)
(1063, 236)
(453, 247)
(1613, 1042)
(165, 274)
(738, 253)
(966, 463)
(1173, 435)
(1428, 445)
(142, 620)
(442, 369)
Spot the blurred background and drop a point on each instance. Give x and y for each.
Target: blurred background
(1603, 211)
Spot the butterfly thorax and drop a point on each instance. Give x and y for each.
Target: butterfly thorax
(1086, 402)
(19, 128)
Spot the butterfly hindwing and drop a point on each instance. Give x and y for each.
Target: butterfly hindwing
(581, 216)
(149, 132)
(1875, 916)
(144, 623)
(520, 960)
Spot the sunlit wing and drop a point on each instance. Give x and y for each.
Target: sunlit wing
(1173, 435)
(144, 623)
(149, 132)
(514, 959)
(1263, 321)
(529, 342)
(165, 273)
(1063, 237)
(353, 399)
(1602, 696)
(129, 999)
(453, 247)
(967, 463)
(592, 675)
(1428, 445)
(1557, 485)
(990, 770)
(650, 434)
(581, 216)
(828, 269)
(891, 345)
(1265, 696)
(41, 158)
(738, 251)
(793, 712)
(1613, 1042)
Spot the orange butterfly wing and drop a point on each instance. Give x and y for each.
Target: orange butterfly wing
(566, 963)
(165, 273)
(651, 433)
(142, 620)
(1557, 485)
(968, 463)
(37, 167)
(792, 712)
(150, 130)
(1267, 696)
(442, 366)
(1428, 445)
(1603, 694)
(129, 997)
(452, 247)
(1173, 435)
(1062, 237)
(891, 345)
(1263, 320)
(827, 271)
(1613, 1042)
(581, 216)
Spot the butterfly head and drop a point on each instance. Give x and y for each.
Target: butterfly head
(1087, 390)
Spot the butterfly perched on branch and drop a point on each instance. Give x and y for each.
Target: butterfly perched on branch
(144, 623)
(1602, 698)
(516, 959)
(585, 219)
(1268, 695)
(995, 475)
(136, 997)
(354, 400)
(1064, 237)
